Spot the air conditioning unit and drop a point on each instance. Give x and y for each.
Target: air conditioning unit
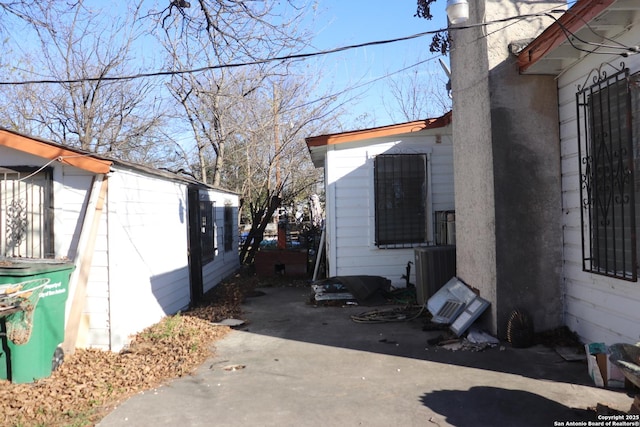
(456, 304)
(435, 266)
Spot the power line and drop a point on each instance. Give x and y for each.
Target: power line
(258, 61)
(568, 34)
(627, 49)
(358, 86)
(220, 66)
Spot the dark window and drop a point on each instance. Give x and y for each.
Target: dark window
(207, 230)
(26, 212)
(228, 228)
(400, 200)
(608, 152)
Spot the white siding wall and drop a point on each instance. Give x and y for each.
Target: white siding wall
(72, 187)
(598, 308)
(225, 263)
(72, 203)
(71, 191)
(350, 202)
(148, 265)
(139, 271)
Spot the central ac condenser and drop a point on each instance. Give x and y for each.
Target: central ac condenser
(435, 265)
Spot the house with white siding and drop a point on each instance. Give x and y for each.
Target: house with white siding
(145, 243)
(384, 187)
(598, 87)
(546, 131)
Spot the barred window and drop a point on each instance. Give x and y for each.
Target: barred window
(608, 153)
(400, 200)
(26, 212)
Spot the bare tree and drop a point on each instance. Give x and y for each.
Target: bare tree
(237, 29)
(79, 47)
(268, 156)
(418, 93)
(210, 101)
(248, 122)
(211, 33)
(24, 10)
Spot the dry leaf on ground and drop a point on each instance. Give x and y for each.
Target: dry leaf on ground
(91, 382)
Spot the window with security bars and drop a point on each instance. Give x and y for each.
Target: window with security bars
(400, 200)
(26, 212)
(609, 155)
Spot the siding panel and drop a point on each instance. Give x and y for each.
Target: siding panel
(350, 180)
(596, 307)
(147, 252)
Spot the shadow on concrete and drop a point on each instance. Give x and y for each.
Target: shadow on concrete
(501, 407)
(286, 313)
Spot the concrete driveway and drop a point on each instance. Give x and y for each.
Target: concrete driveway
(294, 364)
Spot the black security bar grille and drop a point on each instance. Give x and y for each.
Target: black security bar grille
(26, 212)
(401, 200)
(607, 177)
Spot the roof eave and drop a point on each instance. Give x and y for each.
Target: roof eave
(570, 22)
(378, 132)
(317, 145)
(52, 151)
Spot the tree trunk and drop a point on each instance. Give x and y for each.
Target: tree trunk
(260, 218)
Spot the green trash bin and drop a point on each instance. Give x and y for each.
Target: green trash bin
(33, 297)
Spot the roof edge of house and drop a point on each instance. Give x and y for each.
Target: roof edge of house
(571, 21)
(53, 151)
(395, 129)
(90, 162)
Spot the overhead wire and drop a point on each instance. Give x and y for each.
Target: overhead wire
(569, 35)
(514, 22)
(593, 31)
(221, 66)
(484, 35)
(367, 83)
(55, 159)
(291, 56)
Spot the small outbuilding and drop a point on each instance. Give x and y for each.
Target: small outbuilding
(145, 243)
(388, 191)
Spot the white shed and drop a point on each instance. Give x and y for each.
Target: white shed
(146, 243)
(385, 189)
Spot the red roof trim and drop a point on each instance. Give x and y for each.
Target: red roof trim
(418, 125)
(571, 21)
(52, 151)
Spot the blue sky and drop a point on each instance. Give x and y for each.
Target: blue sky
(348, 22)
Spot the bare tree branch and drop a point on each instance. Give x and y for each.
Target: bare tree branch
(120, 118)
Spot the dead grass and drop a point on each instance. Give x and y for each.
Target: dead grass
(90, 383)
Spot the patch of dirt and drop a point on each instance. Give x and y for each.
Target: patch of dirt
(90, 383)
